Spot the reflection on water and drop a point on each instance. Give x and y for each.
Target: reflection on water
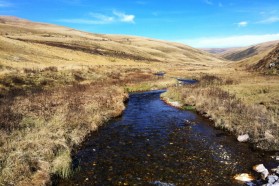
(152, 143)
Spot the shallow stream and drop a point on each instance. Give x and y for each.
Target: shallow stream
(153, 141)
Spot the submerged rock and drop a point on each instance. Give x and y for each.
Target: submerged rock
(261, 169)
(243, 138)
(272, 180)
(243, 177)
(159, 183)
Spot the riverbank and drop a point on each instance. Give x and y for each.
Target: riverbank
(46, 113)
(45, 128)
(228, 110)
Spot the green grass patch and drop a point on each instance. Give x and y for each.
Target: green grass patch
(189, 107)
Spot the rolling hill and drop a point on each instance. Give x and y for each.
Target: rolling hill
(218, 50)
(36, 45)
(269, 64)
(238, 54)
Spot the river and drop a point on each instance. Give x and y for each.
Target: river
(155, 143)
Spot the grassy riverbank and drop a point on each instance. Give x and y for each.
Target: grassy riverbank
(235, 107)
(45, 113)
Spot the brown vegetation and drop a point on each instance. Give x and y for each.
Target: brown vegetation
(38, 131)
(44, 113)
(269, 64)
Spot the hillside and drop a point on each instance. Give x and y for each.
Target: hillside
(36, 45)
(238, 54)
(270, 63)
(218, 50)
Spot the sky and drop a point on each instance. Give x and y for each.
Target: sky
(198, 23)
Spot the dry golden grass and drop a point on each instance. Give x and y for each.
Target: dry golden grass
(44, 113)
(48, 125)
(24, 43)
(236, 104)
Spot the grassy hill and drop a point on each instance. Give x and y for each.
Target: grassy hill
(238, 54)
(36, 45)
(218, 50)
(268, 64)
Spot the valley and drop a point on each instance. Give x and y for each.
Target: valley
(58, 85)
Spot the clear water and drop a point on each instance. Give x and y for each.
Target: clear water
(155, 142)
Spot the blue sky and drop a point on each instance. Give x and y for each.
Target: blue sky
(198, 23)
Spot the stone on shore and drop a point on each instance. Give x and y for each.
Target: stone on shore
(243, 138)
(261, 169)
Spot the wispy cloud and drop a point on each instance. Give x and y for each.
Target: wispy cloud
(4, 4)
(141, 2)
(209, 2)
(99, 19)
(230, 41)
(220, 4)
(269, 20)
(122, 17)
(242, 24)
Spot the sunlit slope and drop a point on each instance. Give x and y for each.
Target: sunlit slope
(238, 54)
(269, 64)
(28, 44)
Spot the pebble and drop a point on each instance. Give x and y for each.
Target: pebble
(159, 183)
(243, 138)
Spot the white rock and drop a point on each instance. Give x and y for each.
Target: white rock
(272, 179)
(243, 138)
(175, 104)
(261, 169)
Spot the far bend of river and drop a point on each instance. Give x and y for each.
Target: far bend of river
(153, 142)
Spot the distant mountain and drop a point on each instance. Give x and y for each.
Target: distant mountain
(217, 50)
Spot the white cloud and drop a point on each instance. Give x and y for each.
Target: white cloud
(208, 2)
(269, 20)
(230, 41)
(102, 18)
(122, 17)
(99, 19)
(4, 4)
(242, 23)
